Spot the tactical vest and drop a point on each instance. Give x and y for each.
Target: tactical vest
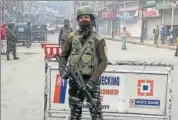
(65, 34)
(89, 60)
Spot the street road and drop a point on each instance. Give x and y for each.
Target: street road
(22, 82)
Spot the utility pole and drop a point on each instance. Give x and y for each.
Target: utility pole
(113, 20)
(2, 11)
(141, 4)
(163, 17)
(1, 8)
(124, 13)
(172, 18)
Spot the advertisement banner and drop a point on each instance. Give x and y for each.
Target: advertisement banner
(163, 4)
(151, 12)
(127, 15)
(108, 13)
(148, 94)
(111, 92)
(127, 92)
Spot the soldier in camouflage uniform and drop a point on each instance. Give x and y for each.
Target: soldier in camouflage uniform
(92, 63)
(28, 33)
(64, 33)
(11, 41)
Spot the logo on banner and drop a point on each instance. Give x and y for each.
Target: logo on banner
(145, 87)
(144, 103)
(60, 90)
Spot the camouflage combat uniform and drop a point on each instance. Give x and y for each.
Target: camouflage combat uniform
(64, 33)
(11, 41)
(92, 64)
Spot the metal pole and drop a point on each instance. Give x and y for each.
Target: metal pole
(163, 17)
(1, 8)
(172, 19)
(113, 21)
(142, 25)
(2, 11)
(124, 13)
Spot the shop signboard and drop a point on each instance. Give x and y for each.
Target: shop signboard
(160, 4)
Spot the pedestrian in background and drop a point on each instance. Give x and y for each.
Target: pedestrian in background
(124, 35)
(175, 34)
(156, 35)
(28, 33)
(11, 41)
(3, 39)
(163, 35)
(64, 33)
(176, 53)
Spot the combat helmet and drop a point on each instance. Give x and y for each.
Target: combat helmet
(11, 24)
(86, 10)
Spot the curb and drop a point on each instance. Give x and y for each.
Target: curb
(146, 44)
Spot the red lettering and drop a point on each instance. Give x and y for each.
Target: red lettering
(101, 98)
(109, 91)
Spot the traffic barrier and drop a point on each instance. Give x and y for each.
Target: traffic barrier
(131, 93)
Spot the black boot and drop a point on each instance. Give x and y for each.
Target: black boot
(16, 58)
(8, 58)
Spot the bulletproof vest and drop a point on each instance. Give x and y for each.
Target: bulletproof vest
(10, 34)
(88, 60)
(65, 34)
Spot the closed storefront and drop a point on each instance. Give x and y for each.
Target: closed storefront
(151, 25)
(153, 18)
(163, 18)
(105, 17)
(131, 21)
(167, 16)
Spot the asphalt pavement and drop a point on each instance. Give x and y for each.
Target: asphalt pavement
(22, 81)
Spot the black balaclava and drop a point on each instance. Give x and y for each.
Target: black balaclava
(86, 27)
(11, 25)
(66, 23)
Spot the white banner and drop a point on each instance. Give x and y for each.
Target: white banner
(126, 92)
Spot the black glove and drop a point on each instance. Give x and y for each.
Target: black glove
(90, 85)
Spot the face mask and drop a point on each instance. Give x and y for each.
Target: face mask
(66, 24)
(84, 24)
(11, 26)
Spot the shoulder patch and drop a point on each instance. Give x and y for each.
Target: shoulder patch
(99, 37)
(72, 35)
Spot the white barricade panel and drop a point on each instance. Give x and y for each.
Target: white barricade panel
(121, 92)
(58, 94)
(111, 91)
(146, 93)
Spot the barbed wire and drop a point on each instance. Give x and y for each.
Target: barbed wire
(138, 63)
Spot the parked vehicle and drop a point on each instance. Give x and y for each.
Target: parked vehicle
(20, 31)
(51, 29)
(39, 32)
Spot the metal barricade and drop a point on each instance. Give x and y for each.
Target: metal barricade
(50, 49)
(130, 90)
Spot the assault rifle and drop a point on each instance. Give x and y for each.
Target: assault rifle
(75, 75)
